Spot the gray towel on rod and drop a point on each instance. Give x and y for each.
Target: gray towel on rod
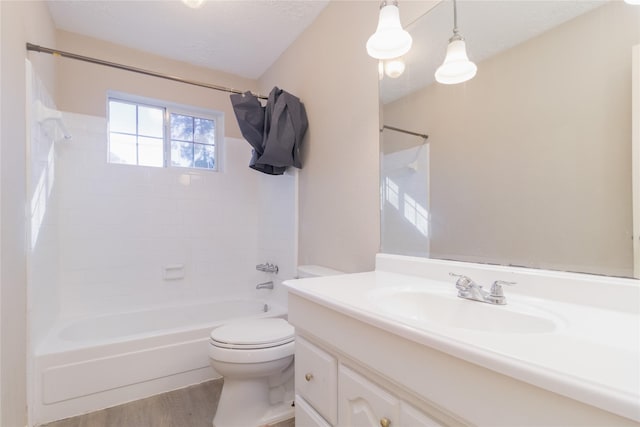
(251, 120)
(275, 131)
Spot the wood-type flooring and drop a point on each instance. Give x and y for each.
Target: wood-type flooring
(192, 406)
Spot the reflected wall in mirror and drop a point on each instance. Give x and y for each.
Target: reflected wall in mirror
(529, 163)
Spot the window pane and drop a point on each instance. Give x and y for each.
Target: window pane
(204, 131)
(122, 117)
(182, 154)
(181, 127)
(204, 156)
(150, 121)
(122, 148)
(150, 151)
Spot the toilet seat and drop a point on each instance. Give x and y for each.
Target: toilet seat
(253, 334)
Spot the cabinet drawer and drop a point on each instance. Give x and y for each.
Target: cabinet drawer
(365, 404)
(306, 416)
(316, 375)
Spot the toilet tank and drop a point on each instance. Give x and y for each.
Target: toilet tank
(316, 271)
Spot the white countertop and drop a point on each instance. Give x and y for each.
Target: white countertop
(593, 356)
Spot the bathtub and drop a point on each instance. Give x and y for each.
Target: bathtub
(90, 363)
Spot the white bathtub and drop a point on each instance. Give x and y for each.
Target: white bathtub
(92, 363)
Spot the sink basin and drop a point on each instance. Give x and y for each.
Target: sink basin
(444, 308)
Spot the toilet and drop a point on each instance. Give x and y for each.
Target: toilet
(255, 357)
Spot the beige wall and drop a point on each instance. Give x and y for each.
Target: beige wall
(82, 87)
(531, 160)
(22, 21)
(328, 68)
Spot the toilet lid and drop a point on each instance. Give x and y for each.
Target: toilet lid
(256, 333)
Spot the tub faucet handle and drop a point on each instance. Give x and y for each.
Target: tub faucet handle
(267, 268)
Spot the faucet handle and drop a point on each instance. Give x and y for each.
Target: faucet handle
(496, 288)
(464, 282)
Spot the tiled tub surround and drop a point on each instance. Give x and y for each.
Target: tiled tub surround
(96, 362)
(121, 225)
(585, 371)
(43, 240)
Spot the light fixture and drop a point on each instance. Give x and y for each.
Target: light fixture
(634, 2)
(394, 67)
(194, 4)
(456, 67)
(390, 40)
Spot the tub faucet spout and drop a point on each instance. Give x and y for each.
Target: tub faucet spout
(265, 285)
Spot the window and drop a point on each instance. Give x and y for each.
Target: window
(192, 142)
(152, 133)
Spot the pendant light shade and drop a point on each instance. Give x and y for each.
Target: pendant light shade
(394, 67)
(390, 40)
(456, 67)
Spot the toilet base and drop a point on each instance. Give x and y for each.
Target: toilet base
(246, 403)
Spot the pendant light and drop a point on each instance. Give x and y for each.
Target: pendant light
(456, 67)
(394, 67)
(634, 2)
(390, 40)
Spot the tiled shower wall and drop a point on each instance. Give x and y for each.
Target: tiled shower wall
(120, 226)
(43, 243)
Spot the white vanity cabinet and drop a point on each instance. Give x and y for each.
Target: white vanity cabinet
(353, 371)
(330, 392)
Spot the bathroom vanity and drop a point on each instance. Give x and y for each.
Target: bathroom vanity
(397, 347)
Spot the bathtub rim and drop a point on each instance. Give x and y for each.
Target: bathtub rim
(52, 343)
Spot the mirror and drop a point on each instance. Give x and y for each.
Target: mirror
(527, 164)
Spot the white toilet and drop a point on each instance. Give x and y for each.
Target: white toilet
(255, 357)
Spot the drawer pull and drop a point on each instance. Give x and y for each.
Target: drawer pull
(308, 377)
(385, 422)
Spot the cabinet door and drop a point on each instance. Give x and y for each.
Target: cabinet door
(410, 416)
(306, 416)
(364, 404)
(316, 378)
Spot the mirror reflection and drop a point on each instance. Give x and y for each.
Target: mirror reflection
(529, 163)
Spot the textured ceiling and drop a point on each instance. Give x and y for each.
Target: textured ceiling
(242, 37)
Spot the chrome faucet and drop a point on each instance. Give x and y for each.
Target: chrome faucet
(267, 268)
(265, 285)
(468, 289)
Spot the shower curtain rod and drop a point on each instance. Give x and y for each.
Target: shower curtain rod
(421, 135)
(70, 55)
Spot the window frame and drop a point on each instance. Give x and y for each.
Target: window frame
(169, 108)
